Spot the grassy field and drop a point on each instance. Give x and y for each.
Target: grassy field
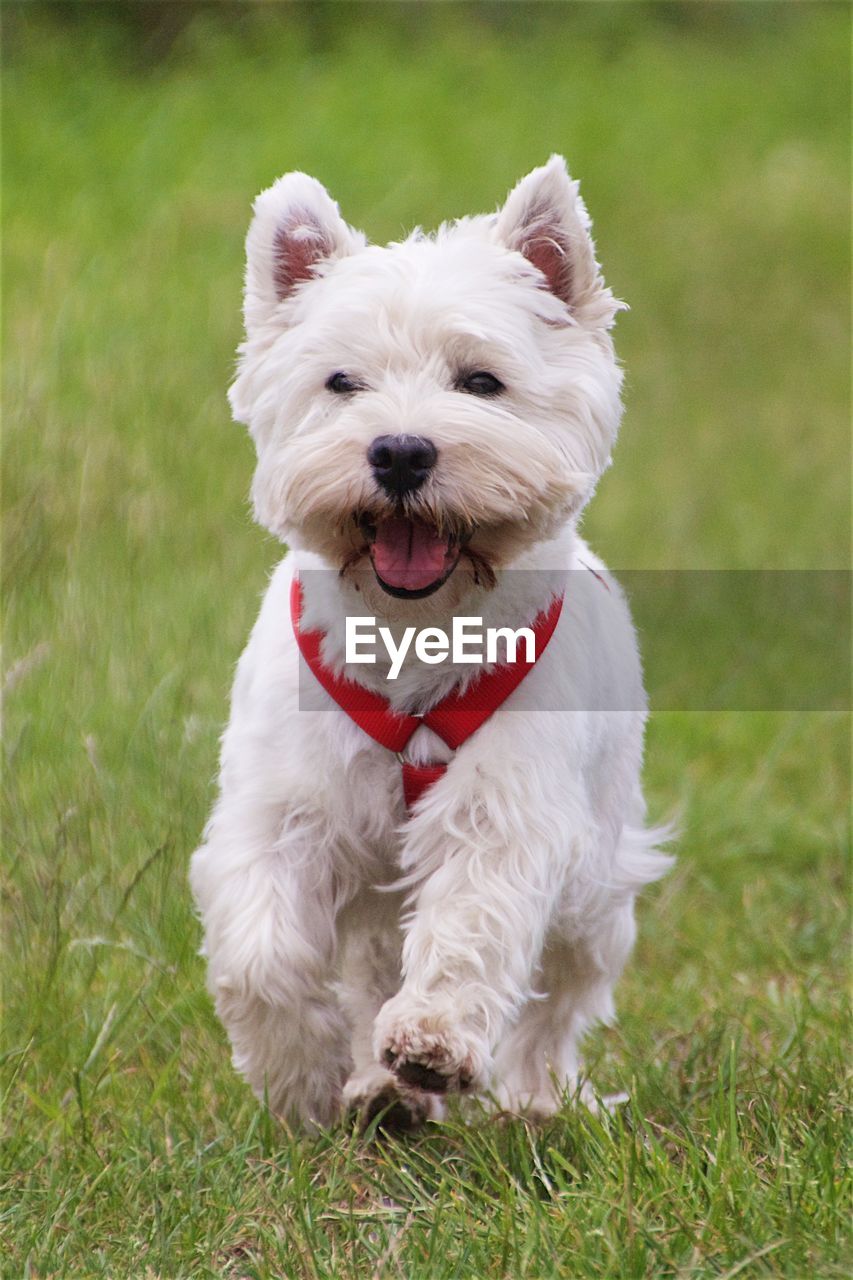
(712, 146)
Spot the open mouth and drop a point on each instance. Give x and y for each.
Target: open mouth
(411, 559)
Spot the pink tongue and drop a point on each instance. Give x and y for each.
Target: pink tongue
(409, 554)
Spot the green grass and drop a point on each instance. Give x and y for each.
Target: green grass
(712, 145)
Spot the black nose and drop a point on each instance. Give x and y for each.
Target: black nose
(401, 463)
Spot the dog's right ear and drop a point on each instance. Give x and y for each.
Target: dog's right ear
(545, 219)
(296, 226)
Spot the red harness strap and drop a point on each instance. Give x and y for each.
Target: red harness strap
(454, 719)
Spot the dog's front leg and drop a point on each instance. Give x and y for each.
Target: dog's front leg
(266, 888)
(473, 942)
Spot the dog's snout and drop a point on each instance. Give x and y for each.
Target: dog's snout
(401, 463)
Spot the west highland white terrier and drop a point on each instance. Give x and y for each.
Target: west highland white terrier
(407, 892)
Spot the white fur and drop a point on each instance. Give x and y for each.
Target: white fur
(482, 934)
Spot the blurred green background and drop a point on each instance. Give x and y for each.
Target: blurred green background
(712, 144)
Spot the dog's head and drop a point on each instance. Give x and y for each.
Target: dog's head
(443, 402)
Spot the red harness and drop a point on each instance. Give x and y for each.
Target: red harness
(454, 719)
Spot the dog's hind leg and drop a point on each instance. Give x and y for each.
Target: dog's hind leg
(371, 945)
(538, 1064)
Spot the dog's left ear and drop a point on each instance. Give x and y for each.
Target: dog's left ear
(297, 226)
(545, 219)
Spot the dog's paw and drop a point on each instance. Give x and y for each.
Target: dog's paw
(426, 1052)
(378, 1096)
(394, 1111)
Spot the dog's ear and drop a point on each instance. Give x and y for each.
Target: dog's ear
(296, 226)
(545, 219)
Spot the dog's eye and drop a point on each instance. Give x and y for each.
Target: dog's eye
(480, 383)
(343, 383)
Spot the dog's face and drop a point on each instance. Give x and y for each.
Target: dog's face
(431, 409)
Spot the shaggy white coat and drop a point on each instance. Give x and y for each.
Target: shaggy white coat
(349, 942)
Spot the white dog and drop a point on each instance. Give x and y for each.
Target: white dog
(430, 419)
